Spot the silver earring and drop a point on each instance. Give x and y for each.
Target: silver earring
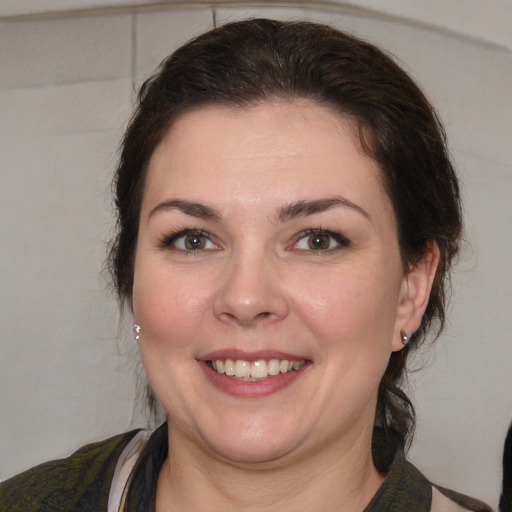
(136, 332)
(405, 338)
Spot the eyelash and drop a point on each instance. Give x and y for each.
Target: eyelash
(340, 240)
(168, 242)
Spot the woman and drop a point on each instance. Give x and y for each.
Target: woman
(287, 219)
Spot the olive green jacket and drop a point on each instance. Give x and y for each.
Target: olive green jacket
(83, 482)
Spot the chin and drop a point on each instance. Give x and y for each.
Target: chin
(252, 451)
(252, 441)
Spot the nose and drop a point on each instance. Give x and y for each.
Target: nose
(250, 293)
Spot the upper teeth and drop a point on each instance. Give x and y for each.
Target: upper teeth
(256, 369)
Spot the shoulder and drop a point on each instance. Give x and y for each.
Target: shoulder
(406, 489)
(446, 500)
(70, 484)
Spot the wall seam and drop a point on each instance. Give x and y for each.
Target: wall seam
(329, 6)
(133, 52)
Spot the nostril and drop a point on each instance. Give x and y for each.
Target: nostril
(247, 302)
(228, 316)
(247, 318)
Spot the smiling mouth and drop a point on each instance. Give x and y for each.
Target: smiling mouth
(256, 370)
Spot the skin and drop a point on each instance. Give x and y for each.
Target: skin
(256, 285)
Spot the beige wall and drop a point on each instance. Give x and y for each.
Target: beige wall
(66, 88)
(486, 21)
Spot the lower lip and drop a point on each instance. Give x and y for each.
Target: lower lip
(251, 389)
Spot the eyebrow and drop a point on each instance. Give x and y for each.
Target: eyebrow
(307, 207)
(293, 210)
(191, 208)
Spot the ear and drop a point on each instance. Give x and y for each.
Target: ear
(414, 295)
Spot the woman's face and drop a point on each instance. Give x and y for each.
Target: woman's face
(266, 239)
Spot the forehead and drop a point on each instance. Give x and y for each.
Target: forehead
(301, 116)
(302, 147)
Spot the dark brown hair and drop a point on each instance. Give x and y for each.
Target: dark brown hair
(243, 63)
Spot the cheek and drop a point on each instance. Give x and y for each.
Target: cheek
(168, 307)
(353, 309)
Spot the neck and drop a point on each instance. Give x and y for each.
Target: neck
(340, 476)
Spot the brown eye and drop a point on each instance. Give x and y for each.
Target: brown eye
(319, 242)
(195, 242)
(189, 240)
